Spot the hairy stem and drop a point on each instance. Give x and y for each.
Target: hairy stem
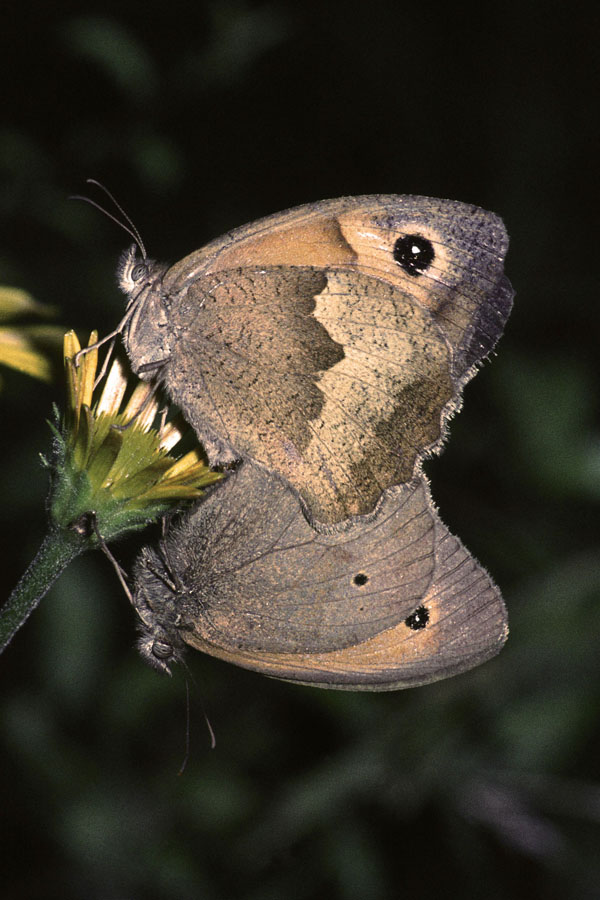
(59, 548)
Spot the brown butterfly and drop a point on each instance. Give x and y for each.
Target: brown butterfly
(329, 343)
(392, 601)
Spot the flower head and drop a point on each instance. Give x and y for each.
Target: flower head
(114, 452)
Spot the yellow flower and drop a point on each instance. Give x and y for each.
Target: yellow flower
(27, 348)
(113, 471)
(114, 455)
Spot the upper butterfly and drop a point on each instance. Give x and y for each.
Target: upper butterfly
(329, 343)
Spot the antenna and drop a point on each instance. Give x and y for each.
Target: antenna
(126, 225)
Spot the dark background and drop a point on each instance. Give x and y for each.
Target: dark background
(201, 117)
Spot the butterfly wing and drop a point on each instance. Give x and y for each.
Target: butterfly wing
(462, 284)
(295, 368)
(331, 343)
(391, 601)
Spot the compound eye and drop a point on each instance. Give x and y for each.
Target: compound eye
(138, 271)
(162, 650)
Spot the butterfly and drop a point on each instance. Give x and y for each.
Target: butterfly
(391, 601)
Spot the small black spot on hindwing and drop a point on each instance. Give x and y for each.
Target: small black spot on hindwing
(418, 619)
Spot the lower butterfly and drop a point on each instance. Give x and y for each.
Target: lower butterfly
(391, 601)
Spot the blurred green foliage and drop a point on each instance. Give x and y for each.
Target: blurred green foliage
(199, 118)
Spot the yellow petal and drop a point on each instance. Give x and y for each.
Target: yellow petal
(190, 461)
(88, 364)
(170, 435)
(113, 390)
(15, 302)
(71, 345)
(140, 408)
(25, 348)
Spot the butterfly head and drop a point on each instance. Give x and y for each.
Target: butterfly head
(140, 279)
(134, 271)
(157, 650)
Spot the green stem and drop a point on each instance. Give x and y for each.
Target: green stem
(59, 548)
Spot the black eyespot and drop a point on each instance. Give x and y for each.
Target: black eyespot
(138, 271)
(162, 650)
(361, 578)
(418, 619)
(414, 253)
